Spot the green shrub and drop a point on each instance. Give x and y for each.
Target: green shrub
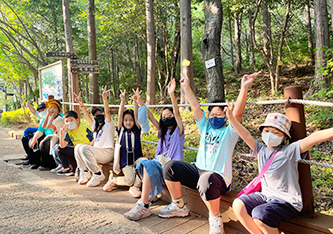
(9, 118)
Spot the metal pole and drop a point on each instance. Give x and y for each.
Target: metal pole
(295, 112)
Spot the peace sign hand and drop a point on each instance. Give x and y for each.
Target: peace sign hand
(185, 82)
(228, 109)
(105, 93)
(123, 95)
(172, 86)
(78, 98)
(137, 94)
(247, 80)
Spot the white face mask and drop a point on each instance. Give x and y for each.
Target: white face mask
(271, 140)
(42, 114)
(71, 125)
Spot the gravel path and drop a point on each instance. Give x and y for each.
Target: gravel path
(30, 204)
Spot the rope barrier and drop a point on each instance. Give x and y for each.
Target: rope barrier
(268, 102)
(310, 162)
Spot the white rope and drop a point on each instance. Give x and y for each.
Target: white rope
(250, 155)
(268, 102)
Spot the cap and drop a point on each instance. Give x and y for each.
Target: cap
(96, 109)
(41, 106)
(53, 101)
(143, 118)
(278, 121)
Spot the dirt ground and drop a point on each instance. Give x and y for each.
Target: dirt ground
(30, 204)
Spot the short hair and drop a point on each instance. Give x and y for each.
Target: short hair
(71, 113)
(210, 108)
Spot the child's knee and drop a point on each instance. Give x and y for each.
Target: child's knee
(238, 206)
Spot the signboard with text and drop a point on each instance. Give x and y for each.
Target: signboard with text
(61, 55)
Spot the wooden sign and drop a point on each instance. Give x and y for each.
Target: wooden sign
(85, 69)
(84, 63)
(61, 55)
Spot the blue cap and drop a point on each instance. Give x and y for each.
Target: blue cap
(143, 119)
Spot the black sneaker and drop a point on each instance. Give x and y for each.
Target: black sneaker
(27, 163)
(65, 172)
(26, 158)
(34, 166)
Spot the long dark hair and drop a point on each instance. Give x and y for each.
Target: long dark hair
(98, 127)
(164, 128)
(129, 112)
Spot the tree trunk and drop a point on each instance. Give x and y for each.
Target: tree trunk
(279, 58)
(186, 43)
(115, 76)
(211, 47)
(93, 77)
(322, 40)
(237, 26)
(253, 61)
(72, 78)
(267, 30)
(309, 31)
(231, 43)
(150, 99)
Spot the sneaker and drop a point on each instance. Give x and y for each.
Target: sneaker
(154, 198)
(173, 210)
(109, 186)
(138, 212)
(216, 225)
(135, 191)
(95, 180)
(41, 168)
(67, 172)
(84, 177)
(77, 174)
(27, 164)
(58, 168)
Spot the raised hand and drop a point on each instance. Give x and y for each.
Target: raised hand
(63, 130)
(228, 110)
(123, 95)
(78, 98)
(172, 86)
(137, 94)
(184, 81)
(27, 104)
(247, 80)
(105, 93)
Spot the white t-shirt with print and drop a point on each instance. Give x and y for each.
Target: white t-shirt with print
(105, 137)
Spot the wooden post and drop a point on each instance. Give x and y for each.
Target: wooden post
(295, 112)
(75, 89)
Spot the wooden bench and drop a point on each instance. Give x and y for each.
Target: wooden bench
(320, 224)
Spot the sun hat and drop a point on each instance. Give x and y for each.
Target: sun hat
(278, 121)
(96, 109)
(53, 101)
(143, 118)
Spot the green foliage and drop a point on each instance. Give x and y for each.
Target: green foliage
(10, 118)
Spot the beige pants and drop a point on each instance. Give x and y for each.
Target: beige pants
(130, 178)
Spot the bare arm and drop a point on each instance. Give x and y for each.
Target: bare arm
(137, 93)
(150, 115)
(247, 80)
(171, 90)
(315, 138)
(240, 129)
(34, 140)
(83, 108)
(106, 104)
(121, 108)
(192, 100)
(31, 108)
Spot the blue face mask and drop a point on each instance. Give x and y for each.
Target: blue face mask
(217, 122)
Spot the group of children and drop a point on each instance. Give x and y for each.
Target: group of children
(66, 146)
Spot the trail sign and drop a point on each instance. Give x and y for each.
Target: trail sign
(85, 63)
(84, 69)
(61, 55)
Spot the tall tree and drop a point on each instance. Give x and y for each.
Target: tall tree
(309, 30)
(93, 77)
(211, 47)
(322, 43)
(150, 99)
(237, 25)
(253, 61)
(186, 43)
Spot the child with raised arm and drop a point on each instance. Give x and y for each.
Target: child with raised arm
(87, 157)
(170, 146)
(211, 175)
(280, 199)
(129, 134)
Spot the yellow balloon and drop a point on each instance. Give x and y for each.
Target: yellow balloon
(186, 63)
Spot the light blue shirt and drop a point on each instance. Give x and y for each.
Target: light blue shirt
(216, 148)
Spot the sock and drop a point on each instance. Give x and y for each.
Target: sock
(85, 170)
(179, 202)
(146, 205)
(98, 173)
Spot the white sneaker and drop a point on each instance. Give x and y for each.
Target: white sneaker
(135, 191)
(173, 210)
(138, 212)
(84, 177)
(216, 225)
(95, 180)
(58, 168)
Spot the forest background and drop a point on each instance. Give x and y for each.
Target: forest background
(290, 41)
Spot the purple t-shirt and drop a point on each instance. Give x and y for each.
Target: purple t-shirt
(172, 145)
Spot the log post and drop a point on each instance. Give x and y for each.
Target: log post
(295, 112)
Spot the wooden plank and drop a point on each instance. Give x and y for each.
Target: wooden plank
(189, 226)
